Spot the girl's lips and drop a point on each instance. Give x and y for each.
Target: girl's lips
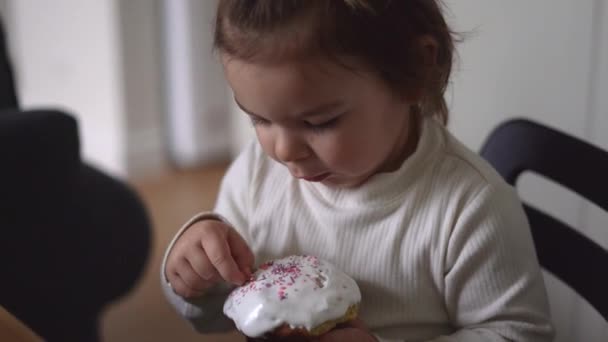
(316, 178)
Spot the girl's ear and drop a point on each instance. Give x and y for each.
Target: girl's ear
(428, 48)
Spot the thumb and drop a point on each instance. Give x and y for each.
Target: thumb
(356, 323)
(242, 254)
(344, 334)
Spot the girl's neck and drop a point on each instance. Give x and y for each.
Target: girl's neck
(406, 146)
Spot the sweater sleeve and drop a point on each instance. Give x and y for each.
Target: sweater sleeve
(206, 313)
(493, 287)
(494, 290)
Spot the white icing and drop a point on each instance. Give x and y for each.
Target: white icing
(302, 291)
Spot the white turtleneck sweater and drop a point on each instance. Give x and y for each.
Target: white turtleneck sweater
(440, 248)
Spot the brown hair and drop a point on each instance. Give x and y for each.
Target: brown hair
(386, 35)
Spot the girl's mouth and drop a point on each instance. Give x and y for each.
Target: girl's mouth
(317, 178)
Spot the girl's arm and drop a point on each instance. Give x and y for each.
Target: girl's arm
(494, 289)
(206, 313)
(493, 286)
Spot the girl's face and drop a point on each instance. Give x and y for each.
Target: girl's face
(325, 123)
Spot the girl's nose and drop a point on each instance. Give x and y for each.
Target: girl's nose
(290, 148)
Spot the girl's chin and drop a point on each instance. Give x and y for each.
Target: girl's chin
(343, 183)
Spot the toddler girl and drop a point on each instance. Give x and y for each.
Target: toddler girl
(353, 164)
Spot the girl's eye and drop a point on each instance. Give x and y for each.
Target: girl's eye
(319, 128)
(258, 121)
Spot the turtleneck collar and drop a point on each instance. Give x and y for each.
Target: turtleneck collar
(385, 187)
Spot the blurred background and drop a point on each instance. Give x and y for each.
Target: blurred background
(153, 110)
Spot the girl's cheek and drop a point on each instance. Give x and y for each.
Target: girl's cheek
(266, 142)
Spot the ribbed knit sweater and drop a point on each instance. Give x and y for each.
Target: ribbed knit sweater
(441, 248)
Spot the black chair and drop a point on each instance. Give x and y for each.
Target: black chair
(521, 145)
(72, 239)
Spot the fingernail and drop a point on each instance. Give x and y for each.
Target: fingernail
(240, 280)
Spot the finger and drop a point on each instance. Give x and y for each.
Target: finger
(356, 323)
(215, 244)
(190, 277)
(346, 334)
(241, 252)
(179, 286)
(201, 265)
(337, 335)
(290, 338)
(301, 339)
(297, 339)
(359, 324)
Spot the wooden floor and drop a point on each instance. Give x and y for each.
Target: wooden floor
(144, 315)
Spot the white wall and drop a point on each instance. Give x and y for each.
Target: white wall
(66, 54)
(527, 58)
(3, 10)
(5, 15)
(593, 218)
(142, 77)
(197, 101)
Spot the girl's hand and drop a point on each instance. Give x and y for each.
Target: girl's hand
(208, 252)
(355, 331)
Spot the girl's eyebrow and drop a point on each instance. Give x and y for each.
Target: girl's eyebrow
(316, 111)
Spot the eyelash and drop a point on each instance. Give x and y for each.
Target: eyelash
(257, 121)
(316, 128)
(327, 125)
